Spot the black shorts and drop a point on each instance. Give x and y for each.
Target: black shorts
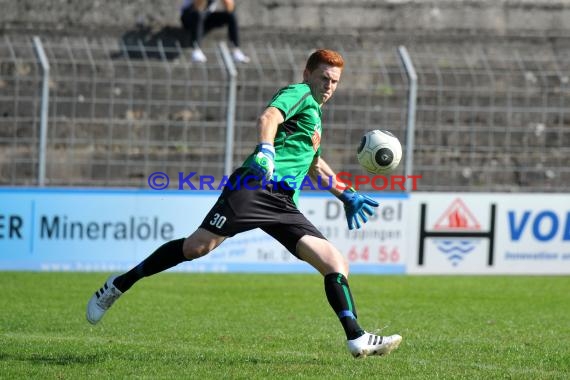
(245, 205)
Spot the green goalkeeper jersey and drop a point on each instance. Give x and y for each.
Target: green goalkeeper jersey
(298, 138)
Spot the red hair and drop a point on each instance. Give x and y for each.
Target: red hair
(328, 57)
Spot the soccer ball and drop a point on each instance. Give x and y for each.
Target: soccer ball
(379, 152)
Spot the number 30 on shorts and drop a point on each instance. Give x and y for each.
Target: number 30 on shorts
(218, 220)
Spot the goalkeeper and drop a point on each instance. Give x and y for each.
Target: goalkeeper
(261, 194)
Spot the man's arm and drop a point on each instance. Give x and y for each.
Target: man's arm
(267, 124)
(357, 207)
(321, 171)
(263, 163)
(229, 5)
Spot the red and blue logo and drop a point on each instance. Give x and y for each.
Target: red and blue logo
(457, 218)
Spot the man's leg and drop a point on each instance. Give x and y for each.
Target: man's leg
(166, 256)
(170, 254)
(193, 23)
(324, 257)
(219, 19)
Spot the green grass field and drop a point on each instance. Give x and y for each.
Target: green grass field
(243, 326)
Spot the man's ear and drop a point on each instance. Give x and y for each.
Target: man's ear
(306, 74)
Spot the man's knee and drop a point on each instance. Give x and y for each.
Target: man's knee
(200, 243)
(322, 255)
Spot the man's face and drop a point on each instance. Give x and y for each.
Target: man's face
(322, 81)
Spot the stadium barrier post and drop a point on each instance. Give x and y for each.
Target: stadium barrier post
(231, 101)
(42, 58)
(411, 114)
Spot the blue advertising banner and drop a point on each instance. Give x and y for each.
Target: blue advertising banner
(112, 230)
(90, 229)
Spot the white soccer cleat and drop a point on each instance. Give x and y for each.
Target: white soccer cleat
(102, 300)
(370, 344)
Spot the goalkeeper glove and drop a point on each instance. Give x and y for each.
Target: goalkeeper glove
(263, 163)
(356, 205)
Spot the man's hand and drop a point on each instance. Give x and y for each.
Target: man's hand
(356, 205)
(263, 163)
(200, 5)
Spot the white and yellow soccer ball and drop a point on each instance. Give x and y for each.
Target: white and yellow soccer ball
(379, 152)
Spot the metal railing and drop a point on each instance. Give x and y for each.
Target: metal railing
(119, 110)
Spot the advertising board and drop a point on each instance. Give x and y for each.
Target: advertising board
(476, 233)
(111, 230)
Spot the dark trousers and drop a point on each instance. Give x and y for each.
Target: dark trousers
(200, 23)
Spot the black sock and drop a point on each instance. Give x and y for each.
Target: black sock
(340, 299)
(166, 256)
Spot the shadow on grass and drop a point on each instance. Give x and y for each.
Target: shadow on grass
(55, 359)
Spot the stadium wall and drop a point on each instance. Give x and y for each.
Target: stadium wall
(406, 16)
(417, 233)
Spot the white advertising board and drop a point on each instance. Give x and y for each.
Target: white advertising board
(425, 233)
(470, 233)
(378, 247)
